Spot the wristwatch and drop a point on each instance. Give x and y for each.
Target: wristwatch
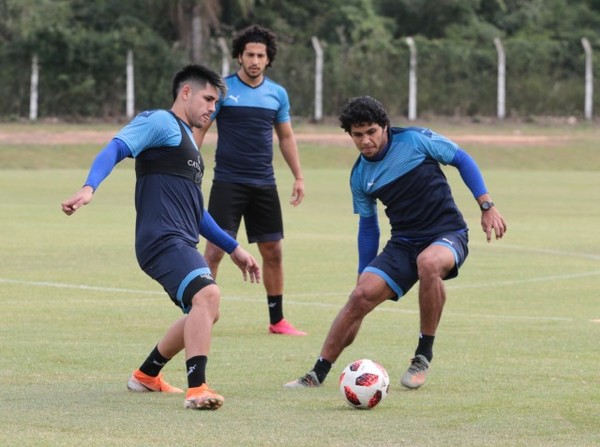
(484, 206)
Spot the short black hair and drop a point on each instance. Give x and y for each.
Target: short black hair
(200, 75)
(255, 34)
(362, 110)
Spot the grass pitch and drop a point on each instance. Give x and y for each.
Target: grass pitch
(516, 356)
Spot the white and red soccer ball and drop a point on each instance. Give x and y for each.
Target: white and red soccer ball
(364, 384)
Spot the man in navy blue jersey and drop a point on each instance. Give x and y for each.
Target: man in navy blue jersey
(244, 180)
(400, 167)
(170, 218)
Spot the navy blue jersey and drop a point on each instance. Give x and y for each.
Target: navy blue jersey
(168, 200)
(409, 182)
(245, 120)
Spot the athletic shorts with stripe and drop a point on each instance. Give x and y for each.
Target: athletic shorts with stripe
(397, 263)
(182, 271)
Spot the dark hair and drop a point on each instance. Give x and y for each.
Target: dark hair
(254, 34)
(362, 110)
(199, 75)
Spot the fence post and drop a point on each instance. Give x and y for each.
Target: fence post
(130, 94)
(33, 88)
(224, 56)
(318, 78)
(501, 78)
(412, 80)
(589, 78)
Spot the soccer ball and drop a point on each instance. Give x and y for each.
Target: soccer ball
(364, 383)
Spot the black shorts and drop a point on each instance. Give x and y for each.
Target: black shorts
(258, 205)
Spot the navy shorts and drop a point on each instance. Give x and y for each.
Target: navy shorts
(182, 271)
(258, 205)
(397, 263)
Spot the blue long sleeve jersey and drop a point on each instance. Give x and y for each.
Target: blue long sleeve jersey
(148, 132)
(407, 179)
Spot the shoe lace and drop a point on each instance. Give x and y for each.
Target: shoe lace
(309, 380)
(417, 365)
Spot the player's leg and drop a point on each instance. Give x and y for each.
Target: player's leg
(264, 225)
(227, 203)
(149, 377)
(197, 336)
(185, 276)
(272, 267)
(214, 255)
(437, 262)
(370, 291)
(433, 264)
(389, 276)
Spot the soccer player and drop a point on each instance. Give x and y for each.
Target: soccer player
(244, 180)
(170, 218)
(400, 167)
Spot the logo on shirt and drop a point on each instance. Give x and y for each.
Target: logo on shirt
(370, 184)
(235, 98)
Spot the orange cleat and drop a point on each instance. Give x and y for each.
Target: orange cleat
(143, 383)
(202, 398)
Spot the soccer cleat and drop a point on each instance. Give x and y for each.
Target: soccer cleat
(202, 398)
(143, 383)
(308, 380)
(417, 372)
(284, 327)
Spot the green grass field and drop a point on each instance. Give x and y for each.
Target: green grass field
(516, 357)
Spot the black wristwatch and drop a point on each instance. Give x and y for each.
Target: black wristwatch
(484, 206)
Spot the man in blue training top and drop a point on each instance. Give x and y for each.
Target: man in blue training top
(401, 168)
(170, 218)
(244, 180)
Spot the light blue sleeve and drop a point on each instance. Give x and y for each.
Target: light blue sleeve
(432, 144)
(363, 204)
(150, 129)
(283, 114)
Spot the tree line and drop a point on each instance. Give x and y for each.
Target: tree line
(82, 48)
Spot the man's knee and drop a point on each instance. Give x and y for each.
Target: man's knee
(208, 299)
(361, 301)
(271, 251)
(434, 263)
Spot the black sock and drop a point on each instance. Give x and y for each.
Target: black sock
(321, 368)
(425, 347)
(275, 303)
(196, 370)
(154, 363)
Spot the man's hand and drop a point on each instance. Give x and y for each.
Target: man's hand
(492, 220)
(80, 198)
(246, 263)
(297, 192)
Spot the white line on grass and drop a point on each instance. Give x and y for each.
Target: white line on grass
(546, 251)
(330, 305)
(525, 281)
